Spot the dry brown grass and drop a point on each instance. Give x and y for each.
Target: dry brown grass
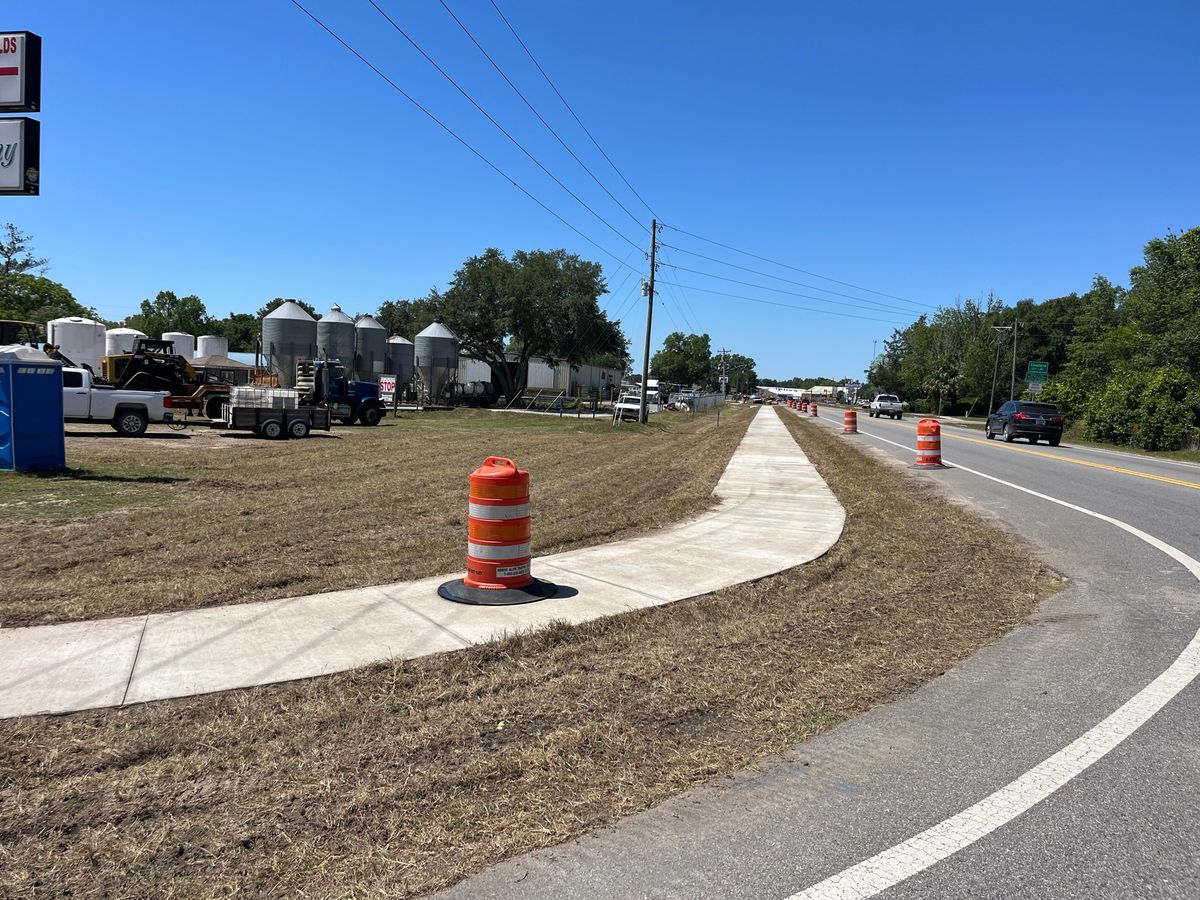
(204, 518)
(398, 779)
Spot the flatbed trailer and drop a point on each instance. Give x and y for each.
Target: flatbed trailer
(277, 424)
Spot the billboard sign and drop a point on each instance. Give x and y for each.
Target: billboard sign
(20, 72)
(20, 145)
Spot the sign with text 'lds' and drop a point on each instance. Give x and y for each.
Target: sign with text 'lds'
(20, 72)
(20, 149)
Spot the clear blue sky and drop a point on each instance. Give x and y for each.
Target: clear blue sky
(927, 150)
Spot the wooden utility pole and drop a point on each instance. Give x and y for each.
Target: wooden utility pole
(1000, 331)
(1012, 388)
(644, 414)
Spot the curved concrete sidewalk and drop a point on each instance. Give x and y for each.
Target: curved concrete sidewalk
(775, 512)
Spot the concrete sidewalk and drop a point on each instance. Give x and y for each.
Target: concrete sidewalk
(775, 512)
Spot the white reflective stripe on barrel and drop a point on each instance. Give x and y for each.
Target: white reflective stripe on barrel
(498, 551)
(499, 513)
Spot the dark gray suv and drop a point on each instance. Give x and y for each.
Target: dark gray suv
(1023, 418)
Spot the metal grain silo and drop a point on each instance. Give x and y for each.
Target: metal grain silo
(80, 340)
(400, 354)
(335, 337)
(372, 348)
(212, 345)
(120, 340)
(185, 344)
(436, 350)
(289, 334)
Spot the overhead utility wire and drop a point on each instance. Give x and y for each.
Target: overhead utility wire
(825, 312)
(491, 165)
(501, 128)
(529, 53)
(682, 301)
(803, 284)
(533, 110)
(774, 290)
(775, 262)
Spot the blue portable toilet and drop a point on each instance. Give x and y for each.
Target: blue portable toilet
(31, 410)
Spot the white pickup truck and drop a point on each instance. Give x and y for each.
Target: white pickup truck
(887, 405)
(129, 412)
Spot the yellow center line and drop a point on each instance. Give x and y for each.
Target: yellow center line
(1078, 462)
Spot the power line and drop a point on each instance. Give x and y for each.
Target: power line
(450, 131)
(826, 312)
(774, 262)
(781, 278)
(549, 128)
(681, 299)
(529, 53)
(500, 127)
(764, 287)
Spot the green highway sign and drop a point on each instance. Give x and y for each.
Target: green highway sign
(1037, 371)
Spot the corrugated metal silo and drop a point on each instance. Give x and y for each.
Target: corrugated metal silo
(335, 337)
(289, 334)
(400, 354)
(185, 344)
(120, 340)
(372, 348)
(212, 345)
(436, 351)
(80, 340)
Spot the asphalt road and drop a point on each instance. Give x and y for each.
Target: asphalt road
(1120, 825)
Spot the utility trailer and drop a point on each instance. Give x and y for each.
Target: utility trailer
(273, 413)
(277, 424)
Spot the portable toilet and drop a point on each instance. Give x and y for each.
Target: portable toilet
(31, 410)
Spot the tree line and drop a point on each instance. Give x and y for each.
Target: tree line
(505, 310)
(689, 360)
(1124, 363)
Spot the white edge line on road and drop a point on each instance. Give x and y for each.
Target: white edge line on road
(882, 871)
(1085, 448)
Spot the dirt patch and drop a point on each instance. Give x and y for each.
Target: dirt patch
(164, 522)
(395, 780)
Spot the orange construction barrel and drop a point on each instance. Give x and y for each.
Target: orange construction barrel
(812, 408)
(498, 540)
(929, 444)
(850, 422)
(803, 406)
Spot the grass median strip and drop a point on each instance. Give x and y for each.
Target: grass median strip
(395, 780)
(202, 518)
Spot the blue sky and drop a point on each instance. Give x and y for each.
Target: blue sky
(929, 151)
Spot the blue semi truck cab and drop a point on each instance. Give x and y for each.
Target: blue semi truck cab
(348, 401)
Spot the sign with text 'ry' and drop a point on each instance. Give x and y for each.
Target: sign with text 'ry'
(20, 72)
(20, 148)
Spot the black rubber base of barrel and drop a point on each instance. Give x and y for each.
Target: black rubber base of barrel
(937, 466)
(460, 593)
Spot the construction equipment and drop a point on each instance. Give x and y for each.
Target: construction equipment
(155, 366)
(15, 331)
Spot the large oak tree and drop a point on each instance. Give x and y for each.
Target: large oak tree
(539, 303)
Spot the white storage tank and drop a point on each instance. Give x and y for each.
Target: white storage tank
(211, 345)
(400, 356)
(80, 340)
(289, 334)
(335, 337)
(185, 344)
(371, 340)
(120, 340)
